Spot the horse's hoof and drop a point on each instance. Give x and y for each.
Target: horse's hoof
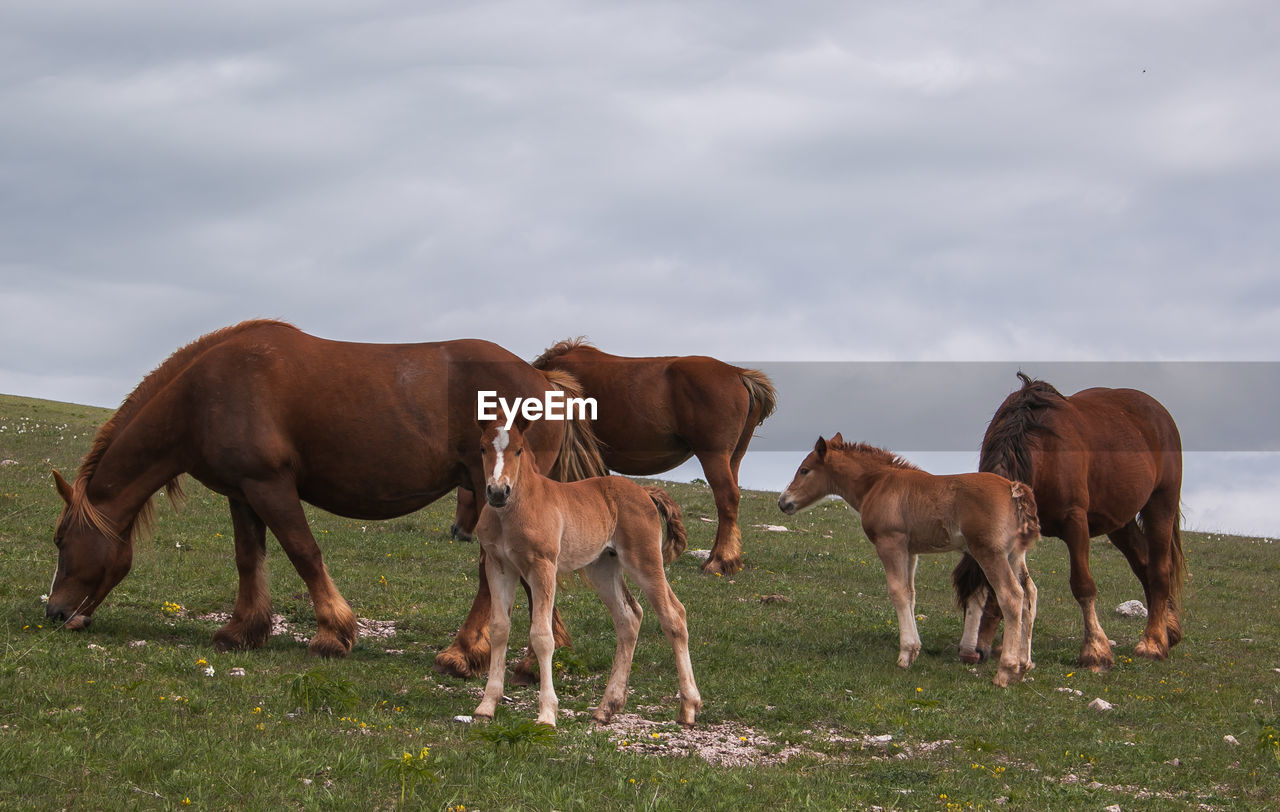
(1150, 650)
(451, 662)
(521, 676)
(726, 566)
(970, 657)
(1097, 663)
(328, 645)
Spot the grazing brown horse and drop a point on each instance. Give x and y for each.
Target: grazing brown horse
(269, 416)
(906, 512)
(1103, 461)
(537, 529)
(655, 413)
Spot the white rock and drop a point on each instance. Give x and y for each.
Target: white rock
(466, 720)
(1231, 740)
(1113, 808)
(1101, 704)
(1131, 609)
(700, 554)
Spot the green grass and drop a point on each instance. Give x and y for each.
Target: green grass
(99, 719)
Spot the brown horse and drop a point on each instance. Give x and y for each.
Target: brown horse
(536, 528)
(1103, 461)
(906, 512)
(655, 413)
(269, 416)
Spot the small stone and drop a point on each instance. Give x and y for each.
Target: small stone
(702, 555)
(1231, 740)
(1131, 609)
(464, 720)
(1100, 704)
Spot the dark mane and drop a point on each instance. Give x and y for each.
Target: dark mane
(80, 508)
(558, 349)
(876, 453)
(1004, 446)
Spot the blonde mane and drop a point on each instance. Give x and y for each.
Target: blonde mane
(560, 348)
(876, 453)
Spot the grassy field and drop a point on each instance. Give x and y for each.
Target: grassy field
(794, 657)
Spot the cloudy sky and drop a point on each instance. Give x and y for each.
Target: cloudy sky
(831, 182)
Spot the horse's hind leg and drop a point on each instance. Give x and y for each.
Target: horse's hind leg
(605, 575)
(279, 507)
(1163, 629)
(726, 553)
(250, 623)
(643, 563)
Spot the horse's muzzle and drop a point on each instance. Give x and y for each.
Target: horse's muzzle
(786, 505)
(75, 622)
(498, 495)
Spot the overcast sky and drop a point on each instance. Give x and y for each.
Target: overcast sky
(769, 184)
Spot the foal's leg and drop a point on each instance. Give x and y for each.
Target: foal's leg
(278, 505)
(502, 577)
(250, 623)
(541, 578)
(899, 573)
(643, 562)
(605, 575)
(1011, 597)
(1030, 600)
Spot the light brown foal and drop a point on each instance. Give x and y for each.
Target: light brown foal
(906, 512)
(535, 528)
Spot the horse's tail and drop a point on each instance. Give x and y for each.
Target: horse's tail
(760, 388)
(675, 540)
(579, 456)
(1178, 582)
(968, 579)
(1025, 516)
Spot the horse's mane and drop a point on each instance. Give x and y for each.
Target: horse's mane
(1004, 446)
(875, 452)
(558, 349)
(80, 508)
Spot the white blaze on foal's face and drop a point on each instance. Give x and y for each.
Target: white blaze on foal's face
(500, 442)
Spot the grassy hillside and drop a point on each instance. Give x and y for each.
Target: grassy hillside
(794, 658)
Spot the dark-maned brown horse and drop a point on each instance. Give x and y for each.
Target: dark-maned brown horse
(1102, 461)
(906, 512)
(655, 413)
(269, 416)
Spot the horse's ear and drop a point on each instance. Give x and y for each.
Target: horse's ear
(64, 487)
(821, 448)
(521, 423)
(838, 439)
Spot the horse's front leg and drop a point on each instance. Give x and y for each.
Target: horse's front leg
(899, 573)
(250, 623)
(502, 577)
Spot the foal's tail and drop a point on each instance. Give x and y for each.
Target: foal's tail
(579, 456)
(967, 578)
(1024, 511)
(675, 540)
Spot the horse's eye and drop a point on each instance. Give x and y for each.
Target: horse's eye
(519, 451)
(804, 471)
(482, 451)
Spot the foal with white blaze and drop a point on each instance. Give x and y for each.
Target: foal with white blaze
(906, 512)
(536, 528)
